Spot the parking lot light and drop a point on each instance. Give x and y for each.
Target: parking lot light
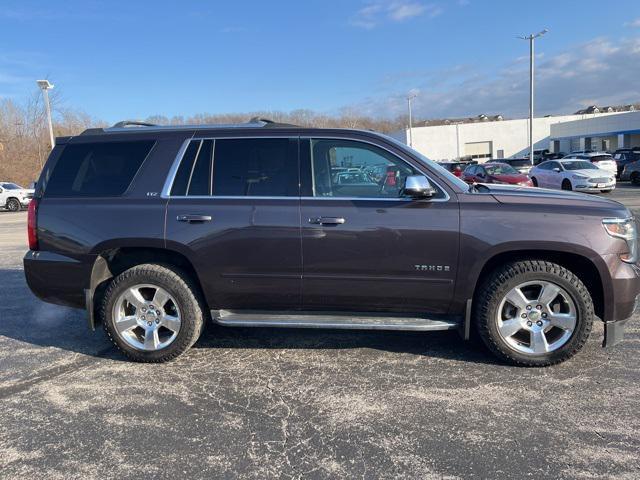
(531, 39)
(45, 86)
(410, 97)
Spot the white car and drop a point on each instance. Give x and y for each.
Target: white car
(13, 197)
(599, 159)
(578, 175)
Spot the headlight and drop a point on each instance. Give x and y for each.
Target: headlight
(579, 177)
(624, 228)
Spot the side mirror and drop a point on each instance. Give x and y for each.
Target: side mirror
(557, 170)
(417, 186)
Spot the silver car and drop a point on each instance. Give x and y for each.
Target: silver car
(578, 175)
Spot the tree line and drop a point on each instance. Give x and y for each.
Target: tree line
(25, 143)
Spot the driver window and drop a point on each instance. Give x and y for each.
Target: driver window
(346, 168)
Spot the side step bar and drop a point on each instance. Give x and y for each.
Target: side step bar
(342, 320)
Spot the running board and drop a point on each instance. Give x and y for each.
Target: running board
(342, 320)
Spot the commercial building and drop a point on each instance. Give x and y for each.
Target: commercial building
(484, 138)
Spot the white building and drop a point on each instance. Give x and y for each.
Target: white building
(510, 138)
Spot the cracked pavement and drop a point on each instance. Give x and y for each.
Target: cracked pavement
(267, 403)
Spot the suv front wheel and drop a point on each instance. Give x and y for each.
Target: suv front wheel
(152, 313)
(534, 313)
(13, 205)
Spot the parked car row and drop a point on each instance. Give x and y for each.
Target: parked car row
(584, 171)
(566, 174)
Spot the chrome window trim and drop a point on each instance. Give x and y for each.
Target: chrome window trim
(181, 152)
(262, 197)
(193, 167)
(168, 183)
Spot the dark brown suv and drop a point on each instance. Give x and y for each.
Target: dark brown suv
(156, 230)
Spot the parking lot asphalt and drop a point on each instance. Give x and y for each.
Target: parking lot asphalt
(266, 403)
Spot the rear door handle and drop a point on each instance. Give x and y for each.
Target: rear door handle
(193, 218)
(327, 221)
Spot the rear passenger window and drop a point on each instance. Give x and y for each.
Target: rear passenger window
(97, 169)
(255, 167)
(193, 178)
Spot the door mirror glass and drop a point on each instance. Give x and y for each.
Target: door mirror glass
(417, 186)
(557, 169)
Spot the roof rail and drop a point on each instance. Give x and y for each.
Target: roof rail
(133, 123)
(126, 125)
(266, 122)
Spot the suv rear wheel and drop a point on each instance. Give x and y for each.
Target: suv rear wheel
(152, 313)
(534, 313)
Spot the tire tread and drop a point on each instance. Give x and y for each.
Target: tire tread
(486, 296)
(172, 275)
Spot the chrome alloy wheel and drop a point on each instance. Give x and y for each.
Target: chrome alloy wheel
(146, 317)
(536, 317)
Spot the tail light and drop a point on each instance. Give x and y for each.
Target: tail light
(32, 233)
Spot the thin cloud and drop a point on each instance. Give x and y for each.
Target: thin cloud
(565, 82)
(233, 30)
(633, 24)
(379, 12)
(399, 11)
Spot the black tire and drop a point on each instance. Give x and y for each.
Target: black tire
(605, 191)
(13, 205)
(566, 185)
(534, 181)
(635, 178)
(494, 288)
(180, 286)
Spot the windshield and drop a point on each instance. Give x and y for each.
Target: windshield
(462, 185)
(601, 158)
(501, 169)
(579, 165)
(11, 186)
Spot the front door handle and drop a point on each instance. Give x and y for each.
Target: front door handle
(193, 218)
(327, 221)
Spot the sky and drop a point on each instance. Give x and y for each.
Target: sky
(132, 59)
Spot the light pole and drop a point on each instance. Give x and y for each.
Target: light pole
(45, 86)
(410, 97)
(531, 39)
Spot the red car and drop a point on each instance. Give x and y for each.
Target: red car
(495, 173)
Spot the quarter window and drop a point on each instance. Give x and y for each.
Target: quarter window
(104, 169)
(346, 168)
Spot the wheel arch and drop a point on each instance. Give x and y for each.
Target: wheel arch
(579, 264)
(113, 261)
